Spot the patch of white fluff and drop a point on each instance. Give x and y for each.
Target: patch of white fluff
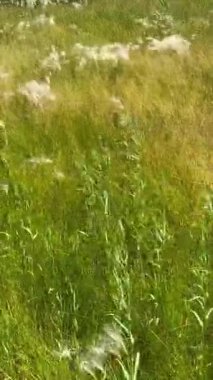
(23, 25)
(76, 5)
(109, 343)
(73, 27)
(43, 20)
(4, 187)
(63, 353)
(37, 92)
(54, 60)
(4, 75)
(116, 104)
(109, 52)
(59, 175)
(79, 5)
(174, 43)
(145, 22)
(39, 161)
(158, 22)
(31, 3)
(44, 3)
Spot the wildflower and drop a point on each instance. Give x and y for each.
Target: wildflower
(174, 43)
(36, 92)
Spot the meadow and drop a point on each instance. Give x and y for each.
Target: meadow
(106, 191)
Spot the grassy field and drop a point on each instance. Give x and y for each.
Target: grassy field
(106, 194)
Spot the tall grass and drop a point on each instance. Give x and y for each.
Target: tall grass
(117, 230)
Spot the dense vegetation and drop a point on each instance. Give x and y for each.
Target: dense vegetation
(106, 196)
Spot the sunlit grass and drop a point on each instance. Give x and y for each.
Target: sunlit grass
(106, 213)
